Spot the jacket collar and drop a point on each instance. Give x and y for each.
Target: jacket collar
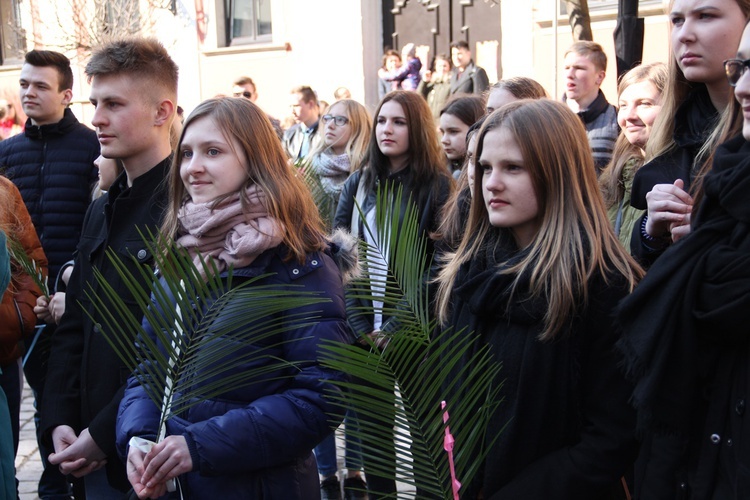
(68, 122)
(596, 108)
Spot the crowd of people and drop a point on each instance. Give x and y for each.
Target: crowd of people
(599, 253)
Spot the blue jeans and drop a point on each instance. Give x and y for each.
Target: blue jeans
(325, 452)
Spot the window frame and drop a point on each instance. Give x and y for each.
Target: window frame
(254, 38)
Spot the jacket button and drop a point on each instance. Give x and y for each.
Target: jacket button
(715, 438)
(729, 442)
(141, 254)
(295, 271)
(314, 263)
(740, 407)
(683, 486)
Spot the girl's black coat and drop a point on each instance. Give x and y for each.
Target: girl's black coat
(565, 428)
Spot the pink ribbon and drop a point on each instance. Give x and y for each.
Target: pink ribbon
(448, 443)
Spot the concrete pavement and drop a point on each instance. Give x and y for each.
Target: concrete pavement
(28, 461)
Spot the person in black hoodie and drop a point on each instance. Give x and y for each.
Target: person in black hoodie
(535, 278)
(134, 91)
(685, 337)
(697, 115)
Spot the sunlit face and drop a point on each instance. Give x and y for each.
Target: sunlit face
(336, 136)
(41, 99)
(704, 34)
(108, 172)
(461, 57)
(453, 136)
(471, 148)
(582, 78)
(442, 67)
(742, 90)
(499, 98)
(507, 189)
(392, 134)
(303, 111)
(639, 106)
(123, 118)
(210, 165)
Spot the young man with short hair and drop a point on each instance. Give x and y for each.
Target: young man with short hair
(302, 137)
(585, 66)
(134, 91)
(467, 77)
(52, 165)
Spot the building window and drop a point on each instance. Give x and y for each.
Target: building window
(248, 21)
(12, 34)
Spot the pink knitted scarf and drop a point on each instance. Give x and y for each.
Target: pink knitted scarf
(228, 234)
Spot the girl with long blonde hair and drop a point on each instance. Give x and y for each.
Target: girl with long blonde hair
(535, 279)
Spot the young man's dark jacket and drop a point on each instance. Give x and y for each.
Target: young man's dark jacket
(53, 168)
(85, 378)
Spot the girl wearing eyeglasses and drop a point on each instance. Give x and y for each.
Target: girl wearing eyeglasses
(346, 132)
(686, 341)
(697, 115)
(403, 151)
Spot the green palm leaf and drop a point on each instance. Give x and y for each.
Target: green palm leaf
(422, 365)
(206, 327)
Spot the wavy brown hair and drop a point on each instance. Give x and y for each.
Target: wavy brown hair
(288, 199)
(575, 240)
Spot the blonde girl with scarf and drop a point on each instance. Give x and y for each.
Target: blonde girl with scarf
(235, 202)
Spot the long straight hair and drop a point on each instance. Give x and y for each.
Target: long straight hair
(287, 198)
(575, 239)
(425, 155)
(359, 138)
(675, 93)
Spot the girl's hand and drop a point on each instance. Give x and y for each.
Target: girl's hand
(166, 461)
(41, 309)
(668, 206)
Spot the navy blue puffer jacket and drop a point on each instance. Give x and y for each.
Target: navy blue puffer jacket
(256, 441)
(53, 168)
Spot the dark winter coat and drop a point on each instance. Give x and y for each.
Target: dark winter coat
(256, 441)
(473, 80)
(564, 428)
(53, 167)
(429, 211)
(85, 378)
(694, 121)
(687, 347)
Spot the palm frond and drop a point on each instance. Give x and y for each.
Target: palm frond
(205, 327)
(423, 365)
(19, 256)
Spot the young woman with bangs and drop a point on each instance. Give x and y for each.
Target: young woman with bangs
(535, 278)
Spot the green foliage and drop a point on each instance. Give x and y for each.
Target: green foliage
(19, 256)
(205, 325)
(420, 361)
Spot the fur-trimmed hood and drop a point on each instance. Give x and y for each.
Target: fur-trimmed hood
(345, 253)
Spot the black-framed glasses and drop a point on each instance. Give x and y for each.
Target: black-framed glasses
(735, 68)
(245, 94)
(339, 120)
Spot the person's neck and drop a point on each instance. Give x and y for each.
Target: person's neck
(51, 121)
(720, 93)
(338, 149)
(136, 166)
(312, 121)
(398, 163)
(580, 105)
